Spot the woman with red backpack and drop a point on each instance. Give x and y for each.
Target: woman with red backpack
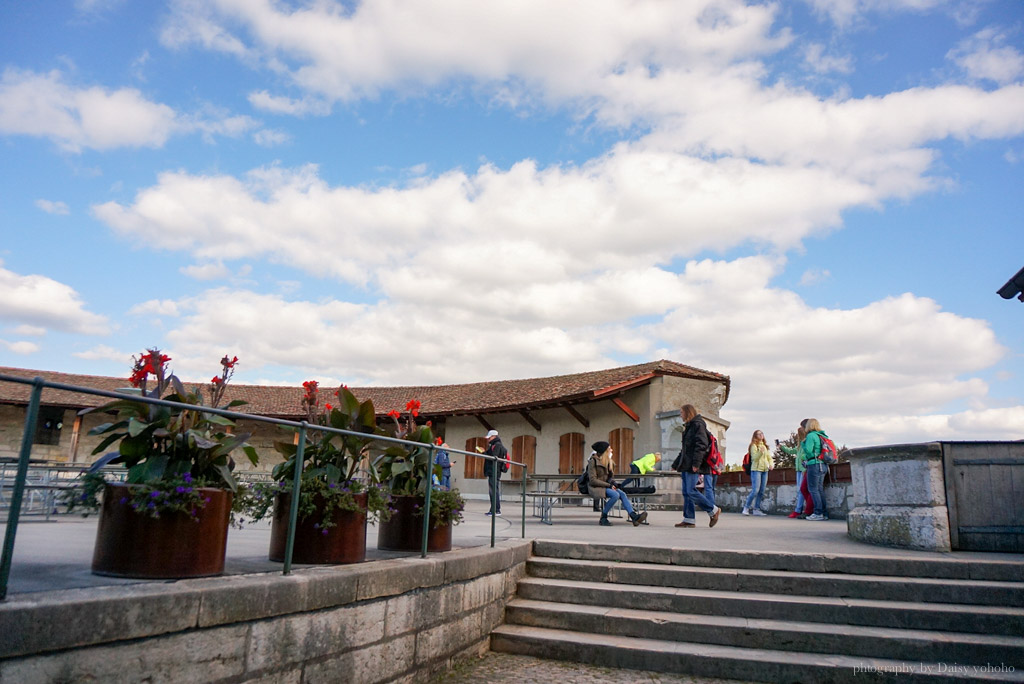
(816, 467)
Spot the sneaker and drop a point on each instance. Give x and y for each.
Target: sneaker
(685, 524)
(745, 511)
(758, 512)
(815, 517)
(793, 514)
(498, 514)
(714, 516)
(488, 514)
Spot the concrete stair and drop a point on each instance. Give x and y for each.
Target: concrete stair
(770, 617)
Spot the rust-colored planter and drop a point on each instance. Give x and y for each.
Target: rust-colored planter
(404, 531)
(343, 543)
(173, 546)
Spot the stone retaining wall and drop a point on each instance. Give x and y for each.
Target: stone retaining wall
(403, 619)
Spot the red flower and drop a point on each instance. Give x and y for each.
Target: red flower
(216, 380)
(227, 363)
(413, 407)
(394, 414)
(328, 407)
(311, 385)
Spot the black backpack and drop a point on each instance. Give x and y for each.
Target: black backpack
(583, 482)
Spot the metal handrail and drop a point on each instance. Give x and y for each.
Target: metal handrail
(32, 416)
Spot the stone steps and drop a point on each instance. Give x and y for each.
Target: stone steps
(770, 617)
(978, 592)
(710, 660)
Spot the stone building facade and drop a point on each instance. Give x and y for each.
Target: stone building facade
(549, 423)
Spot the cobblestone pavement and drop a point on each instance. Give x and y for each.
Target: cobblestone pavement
(502, 668)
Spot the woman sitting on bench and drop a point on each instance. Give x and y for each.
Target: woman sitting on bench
(602, 486)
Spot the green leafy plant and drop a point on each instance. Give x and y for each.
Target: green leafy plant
(336, 467)
(409, 470)
(165, 448)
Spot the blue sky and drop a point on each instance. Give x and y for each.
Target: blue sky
(817, 198)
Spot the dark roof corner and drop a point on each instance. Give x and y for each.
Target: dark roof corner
(1014, 287)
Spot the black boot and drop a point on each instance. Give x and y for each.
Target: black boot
(605, 521)
(638, 518)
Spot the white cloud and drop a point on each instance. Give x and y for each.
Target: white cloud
(42, 302)
(21, 347)
(277, 104)
(50, 207)
(813, 276)
(846, 12)
(158, 307)
(821, 63)
(984, 56)
(30, 331)
(43, 105)
(270, 138)
(208, 271)
(104, 353)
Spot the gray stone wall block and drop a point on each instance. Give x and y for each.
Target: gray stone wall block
(915, 527)
(481, 560)
(330, 586)
(392, 577)
(291, 641)
(438, 642)
(381, 662)
(905, 483)
(34, 623)
(289, 677)
(482, 591)
(228, 600)
(200, 656)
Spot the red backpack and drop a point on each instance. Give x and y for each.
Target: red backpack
(714, 459)
(828, 450)
(746, 463)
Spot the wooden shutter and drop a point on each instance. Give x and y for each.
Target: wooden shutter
(474, 465)
(524, 450)
(570, 453)
(621, 441)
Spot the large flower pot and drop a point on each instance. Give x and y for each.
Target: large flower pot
(345, 542)
(404, 531)
(173, 546)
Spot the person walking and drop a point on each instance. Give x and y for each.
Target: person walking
(760, 464)
(600, 471)
(442, 459)
(494, 468)
(815, 468)
(802, 495)
(642, 466)
(691, 462)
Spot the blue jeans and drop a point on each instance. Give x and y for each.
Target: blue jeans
(694, 498)
(800, 504)
(633, 470)
(816, 486)
(758, 479)
(709, 488)
(614, 495)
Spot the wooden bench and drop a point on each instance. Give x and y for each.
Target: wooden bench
(544, 502)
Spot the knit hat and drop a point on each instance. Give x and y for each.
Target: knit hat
(600, 447)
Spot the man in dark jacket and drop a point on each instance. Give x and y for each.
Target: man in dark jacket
(691, 463)
(493, 470)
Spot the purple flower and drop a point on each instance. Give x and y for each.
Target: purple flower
(187, 477)
(180, 490)
(324, 532)
(330, 486)
(124, 500)
(155, 495)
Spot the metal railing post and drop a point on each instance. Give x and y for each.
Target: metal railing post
(293, 514)
(495, 493)
(524, 501)
(31, 416)
(426, 501)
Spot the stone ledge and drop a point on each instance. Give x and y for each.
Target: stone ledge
(38, 623)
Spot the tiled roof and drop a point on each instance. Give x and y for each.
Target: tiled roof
(437, 400)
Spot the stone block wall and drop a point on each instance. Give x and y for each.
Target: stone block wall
(395, 620)
(899, 497)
